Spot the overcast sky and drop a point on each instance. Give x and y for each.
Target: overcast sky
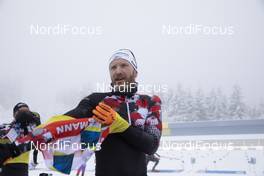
(39, 68)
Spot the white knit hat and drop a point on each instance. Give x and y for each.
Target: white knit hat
(125, 54)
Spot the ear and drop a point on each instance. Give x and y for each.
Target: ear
(135, 73)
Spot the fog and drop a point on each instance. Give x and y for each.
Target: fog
(52, 71)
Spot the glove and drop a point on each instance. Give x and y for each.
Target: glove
(105, 115)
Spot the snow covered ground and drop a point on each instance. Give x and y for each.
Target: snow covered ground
(244, 157)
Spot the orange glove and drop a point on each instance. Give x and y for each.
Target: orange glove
(105, 115)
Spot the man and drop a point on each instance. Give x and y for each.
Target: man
(136, 129)
(24, 122)
(34, 163)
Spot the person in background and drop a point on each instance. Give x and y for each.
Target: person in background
(154, 158)
(24, 121)
(34, 163)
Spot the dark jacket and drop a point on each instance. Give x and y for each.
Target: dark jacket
(123, 154)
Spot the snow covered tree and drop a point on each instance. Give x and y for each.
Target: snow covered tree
(237, 108)
(190, 105)
(253, 112)
(184, 105)
(261, 110)
(180, 105)
(199, 107)
(216, 105)
(168, 104)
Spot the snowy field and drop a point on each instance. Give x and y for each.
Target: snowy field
(244, 157)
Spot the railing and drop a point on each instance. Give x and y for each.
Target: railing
(214, 127)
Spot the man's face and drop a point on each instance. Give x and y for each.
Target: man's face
(22, 109)
(122, 72)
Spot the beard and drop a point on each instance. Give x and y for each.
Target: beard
(128, 86)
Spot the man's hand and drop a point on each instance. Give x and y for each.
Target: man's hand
(105, 115)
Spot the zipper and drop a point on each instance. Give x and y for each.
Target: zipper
(128, 113)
